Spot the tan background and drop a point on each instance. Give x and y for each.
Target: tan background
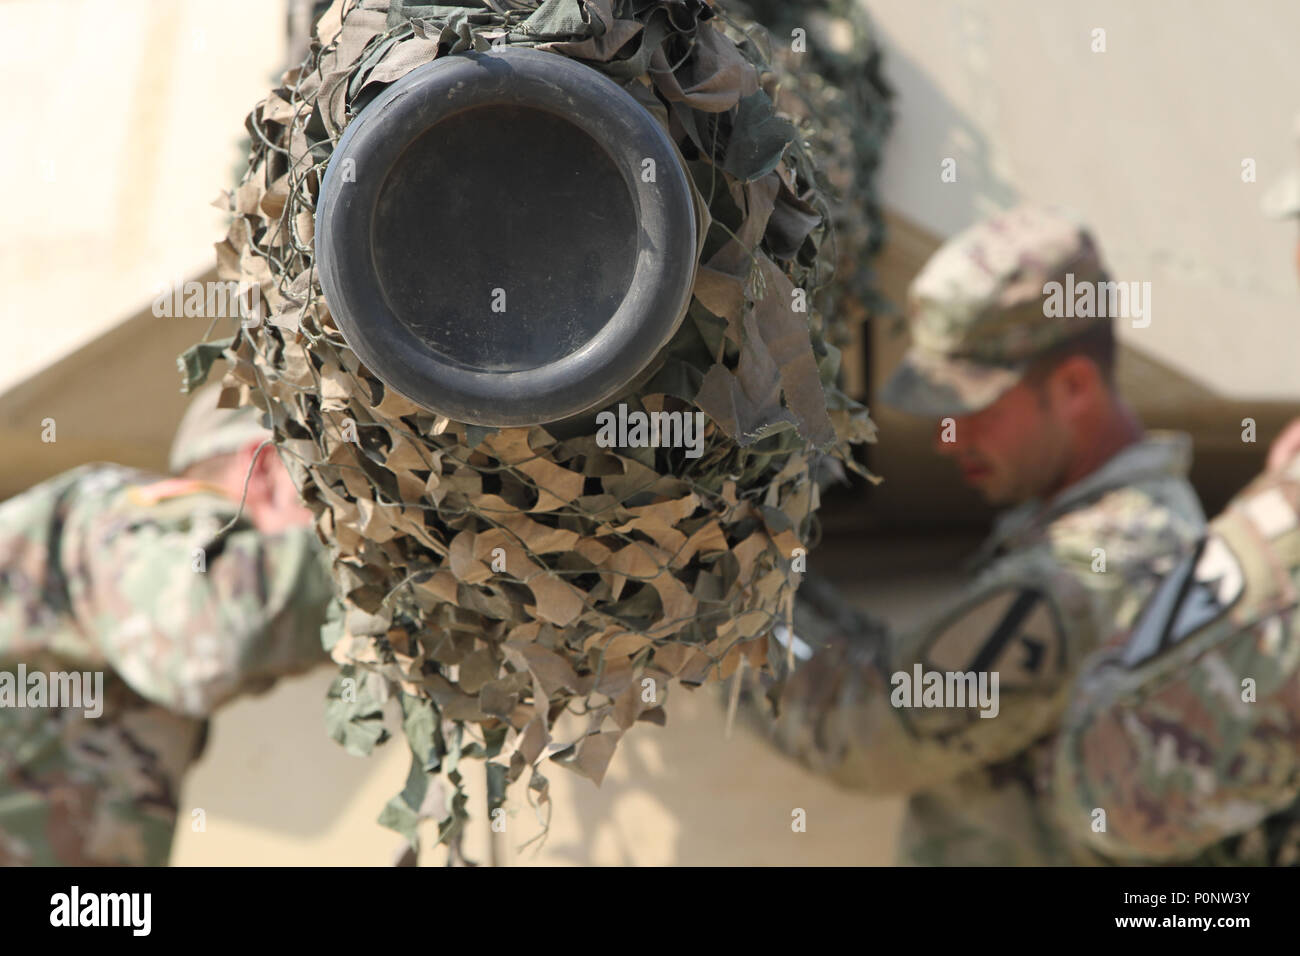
(121, 128)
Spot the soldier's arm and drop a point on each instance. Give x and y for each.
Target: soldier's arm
(856, 711)
(190, 622)
(1188, 732)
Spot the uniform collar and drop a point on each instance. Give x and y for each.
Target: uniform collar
(1160, 454)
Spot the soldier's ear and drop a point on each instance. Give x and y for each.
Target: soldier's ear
(263, 463)
(1076, 379)
(247, 466)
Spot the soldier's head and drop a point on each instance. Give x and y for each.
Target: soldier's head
(224, 447)
(1019, 381)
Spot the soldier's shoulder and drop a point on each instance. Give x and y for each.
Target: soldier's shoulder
(172, 493)
(61, 486)
(110, 507)
(1134, 510)
(104, 484)
(42, 514)
(127, 495)
(54, 539)
(1128, 525)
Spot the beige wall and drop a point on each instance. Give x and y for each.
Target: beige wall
(128, 116)
(1146, 140)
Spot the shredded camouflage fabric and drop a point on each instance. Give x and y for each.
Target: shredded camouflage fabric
(98, 575)
(830, 82)
(625, 569)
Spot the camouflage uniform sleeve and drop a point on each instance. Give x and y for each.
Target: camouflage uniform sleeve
(1185, 731)
(898, 713)
(188, 619)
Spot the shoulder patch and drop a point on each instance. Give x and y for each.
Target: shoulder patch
(157, 491)
(1200, 589)
(1013, 632)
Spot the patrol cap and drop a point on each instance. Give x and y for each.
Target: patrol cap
(206, 431)
(1282, 200)
(977, 310)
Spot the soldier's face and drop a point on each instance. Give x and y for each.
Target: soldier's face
(1011, 451)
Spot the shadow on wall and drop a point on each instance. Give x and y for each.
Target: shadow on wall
(277, 791)
(936, 134)
(270, 763)
(684, 794)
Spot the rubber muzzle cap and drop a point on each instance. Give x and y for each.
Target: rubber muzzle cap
(506, 238)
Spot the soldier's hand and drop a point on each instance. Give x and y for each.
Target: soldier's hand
(1285, 447)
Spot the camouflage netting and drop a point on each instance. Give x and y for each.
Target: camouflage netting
(830, 81)
(495, 578)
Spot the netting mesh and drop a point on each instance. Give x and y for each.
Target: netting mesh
(494, 579)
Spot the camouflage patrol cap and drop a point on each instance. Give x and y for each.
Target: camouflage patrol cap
(977, 310)
(206, 431)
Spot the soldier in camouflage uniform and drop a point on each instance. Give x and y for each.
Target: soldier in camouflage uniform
(1182, 741)
(111, 570)
(1027, 407)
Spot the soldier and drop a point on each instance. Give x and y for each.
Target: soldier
(127, 617)
(959, 714)
(1182, 740)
